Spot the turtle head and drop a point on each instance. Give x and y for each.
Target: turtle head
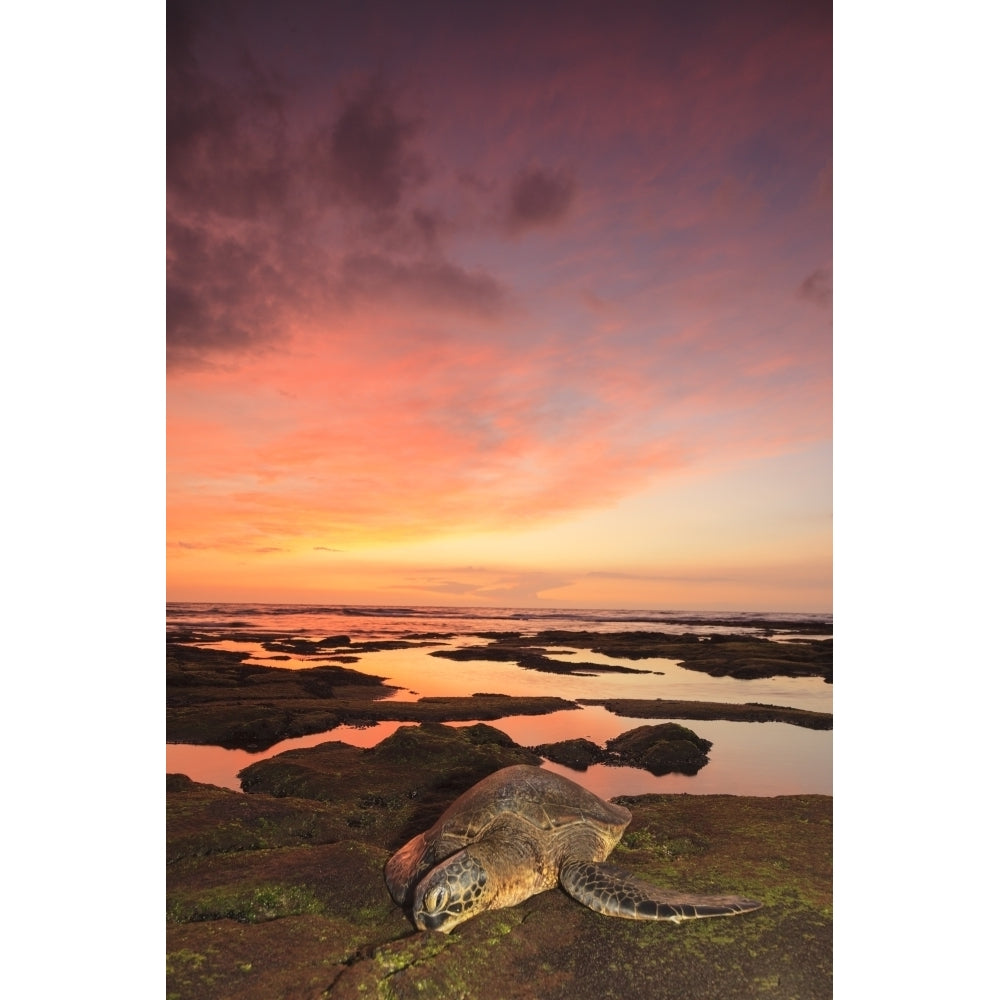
(454, 891)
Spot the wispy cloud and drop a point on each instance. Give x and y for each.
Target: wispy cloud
(434, 283)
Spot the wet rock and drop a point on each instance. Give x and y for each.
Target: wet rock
(284, 897)
(403, 783)
(178, 783)
(530, 658)
(742, 656)
(660, 708)
(335, 640)
(578, 754)
(483, 735)
(661, 749)
(658, 749)
(215, 698)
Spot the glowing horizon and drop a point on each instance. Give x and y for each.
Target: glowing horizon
(511, 307)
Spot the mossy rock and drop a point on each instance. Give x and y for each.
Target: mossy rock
(404, 782)
(314, 920)
(436, 744)
(661, 749)
(576, 754)
(673, 757)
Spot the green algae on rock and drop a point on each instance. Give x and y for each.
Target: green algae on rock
(323, 925)
(390, 790)
(523, 830)
(661, 749)
(577, 754)
(667, 748)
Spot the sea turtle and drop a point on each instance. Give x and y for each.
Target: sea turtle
(520, 831)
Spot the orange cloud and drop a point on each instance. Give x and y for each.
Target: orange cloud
(524, 269)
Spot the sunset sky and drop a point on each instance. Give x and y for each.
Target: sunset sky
(518, 304)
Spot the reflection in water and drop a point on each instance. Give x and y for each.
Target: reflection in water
(418, 675)
(219, 766)
(746, 758)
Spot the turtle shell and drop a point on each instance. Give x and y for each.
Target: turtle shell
(546, 800)
(569, 820)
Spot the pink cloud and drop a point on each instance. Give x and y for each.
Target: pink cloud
(577, 255)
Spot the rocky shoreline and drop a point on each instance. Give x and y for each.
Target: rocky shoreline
(721, 655)
(215, 698)
(279, 891)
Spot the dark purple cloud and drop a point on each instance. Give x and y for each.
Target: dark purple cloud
(222, 292)
(227, 149)
(245, 227)
(539, 198)
(252, 201)
(818, 287)
(371, 159)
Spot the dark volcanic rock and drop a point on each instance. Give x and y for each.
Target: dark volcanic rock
(476, 706)
(403, 783)
(534, 659)
(662, 708)
(742, 656)
(280, 892)
(284, 897)
(577, 754)
(661, 749)
(215, 698)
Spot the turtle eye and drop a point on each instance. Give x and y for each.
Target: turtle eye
(436, 899)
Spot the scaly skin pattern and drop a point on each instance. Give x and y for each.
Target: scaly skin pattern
(452, 891)
(607, 890)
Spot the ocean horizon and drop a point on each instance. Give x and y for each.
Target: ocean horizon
(391, 617)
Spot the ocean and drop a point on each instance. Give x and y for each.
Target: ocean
(747, 758)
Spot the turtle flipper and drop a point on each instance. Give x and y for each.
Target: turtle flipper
(611, 891)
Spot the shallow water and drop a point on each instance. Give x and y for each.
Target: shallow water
(746, 758)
